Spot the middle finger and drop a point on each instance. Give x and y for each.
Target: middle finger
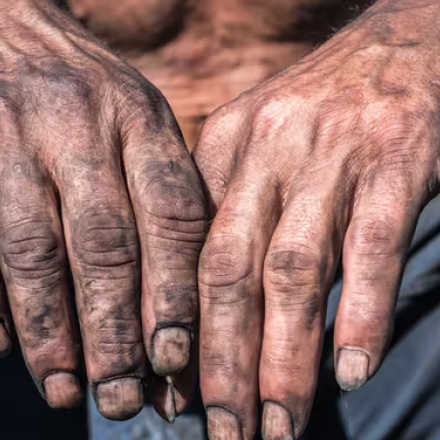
(102, 246)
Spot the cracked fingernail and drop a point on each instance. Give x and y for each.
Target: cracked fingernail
(170, 402)
(62, 390)
(352, 369)
(120, 399)
(171, 350)
(223, 425)
(277, 423)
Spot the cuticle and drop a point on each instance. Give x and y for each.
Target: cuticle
(164, 325)
(95, 384)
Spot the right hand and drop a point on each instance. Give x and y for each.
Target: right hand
(95, 176)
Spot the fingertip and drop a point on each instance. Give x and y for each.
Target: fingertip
(352, 367)
(277, 422)
(120, 399)
(62, 390)
(223, 424)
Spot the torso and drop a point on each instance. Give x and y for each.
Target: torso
(203, 53)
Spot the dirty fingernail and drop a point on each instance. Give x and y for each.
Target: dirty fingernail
(171, 350)
(62, 390)
(223, 425)
(120, 399)
(5, 341)
(277, 423)
(352, 369)
(170, 402)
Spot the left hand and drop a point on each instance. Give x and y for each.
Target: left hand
(339, 153)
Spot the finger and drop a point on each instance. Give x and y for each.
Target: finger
(5, 322)
(171, 217)
(34, 266)
(103, 251)
(171, 395)
(298, 272)
(374, 254)
(230, 282)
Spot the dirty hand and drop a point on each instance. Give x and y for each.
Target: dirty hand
(338, 154)
(96, 183)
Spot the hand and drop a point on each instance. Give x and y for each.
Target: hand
(336, 154)
(96, 181)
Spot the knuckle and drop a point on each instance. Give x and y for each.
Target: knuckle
(173, 191)
(294, 280)
(291, 267)
(142, 105)
(374, 236)
(65, 86)
(31, 254)
(223, 127)
(226, 260)
(272, 115)
(216, 123)
(105, 241)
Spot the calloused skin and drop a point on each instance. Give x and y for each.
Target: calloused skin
(97, 186)
(336, 155)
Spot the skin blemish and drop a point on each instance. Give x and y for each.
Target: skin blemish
(313, 310)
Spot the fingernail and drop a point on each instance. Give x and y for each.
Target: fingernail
(5, 341)
(352, 369)
(171, 350)
(277, 423)
(120, 399)
(62, 390)
(223, 425)
(170, 402)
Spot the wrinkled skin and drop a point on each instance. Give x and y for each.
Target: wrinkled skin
(337, 154)
(317, 161)
(98, 186)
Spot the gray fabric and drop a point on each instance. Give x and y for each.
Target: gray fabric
(403, 400)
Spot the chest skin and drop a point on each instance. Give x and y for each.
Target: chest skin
(147, 24)
(203, 53)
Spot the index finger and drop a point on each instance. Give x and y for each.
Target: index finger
(171, 220)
